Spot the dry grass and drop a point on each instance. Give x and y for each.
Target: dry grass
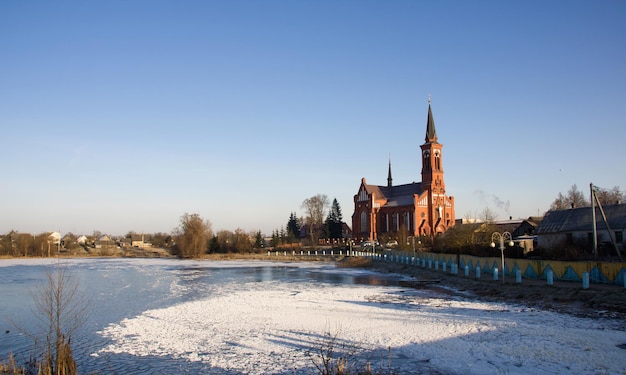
(11, 368)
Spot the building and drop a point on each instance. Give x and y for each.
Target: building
(417, 209)
(575, 227)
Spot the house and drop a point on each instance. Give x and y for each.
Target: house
(54, 238)
(104, 242)
(522, 230)
(81, 240)
(136, 240)
(575, 227)
(417, 208)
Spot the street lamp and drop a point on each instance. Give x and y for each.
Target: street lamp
(413, 242)
(501, 237)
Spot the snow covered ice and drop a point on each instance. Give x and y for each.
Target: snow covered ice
(270, 327)
(254, 317)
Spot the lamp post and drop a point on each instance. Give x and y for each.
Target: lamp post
(501, 237)
(413, 242)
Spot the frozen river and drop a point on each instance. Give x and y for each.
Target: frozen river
(252, 317)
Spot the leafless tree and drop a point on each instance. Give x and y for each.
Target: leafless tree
(487, 215)
(315, 208)
(61, 308)
(612, 196)
(192, 236)
(574, 198)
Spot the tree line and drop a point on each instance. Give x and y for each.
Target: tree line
(322, 220)
(194, 236)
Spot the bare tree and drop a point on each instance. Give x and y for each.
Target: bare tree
(487, 215)
(243, 241)
(192, 236)
(612, 196)
(574, 198)
(61, 309)
(315, 208)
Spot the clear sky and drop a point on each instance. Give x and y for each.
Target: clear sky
(124, 115)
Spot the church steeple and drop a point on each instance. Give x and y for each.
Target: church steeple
(432, 168)
(431, 133)
(389, 180)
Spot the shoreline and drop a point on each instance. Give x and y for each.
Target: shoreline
(599, 301)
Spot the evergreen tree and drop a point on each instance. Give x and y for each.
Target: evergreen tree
(258, 242)
(293, 227)
(334, 223)
(274, 238)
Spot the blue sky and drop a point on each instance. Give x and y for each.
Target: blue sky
(119, 116)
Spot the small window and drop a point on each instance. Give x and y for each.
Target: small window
(619, 236)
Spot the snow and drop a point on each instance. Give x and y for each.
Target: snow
(157, 315)
(270, 327)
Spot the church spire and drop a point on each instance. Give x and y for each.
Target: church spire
(389, 174)
(431, 133)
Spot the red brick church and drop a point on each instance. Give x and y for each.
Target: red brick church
(417, 209)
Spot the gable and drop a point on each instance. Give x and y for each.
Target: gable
(362, 195)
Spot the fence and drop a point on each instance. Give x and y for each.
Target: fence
(549, 270)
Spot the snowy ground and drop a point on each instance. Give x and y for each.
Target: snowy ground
(273, 327)
(166, 316)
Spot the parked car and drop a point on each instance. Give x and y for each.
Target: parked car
(391, 244)
(370, 245)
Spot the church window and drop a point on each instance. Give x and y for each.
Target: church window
(364, 222)
(406, 219)
(394, 222)
(437, 161)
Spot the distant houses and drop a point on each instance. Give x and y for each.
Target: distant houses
(523, 231)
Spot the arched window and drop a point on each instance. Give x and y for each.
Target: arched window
(385, 223)
(364, 227)
(438, 161)
(407, 222)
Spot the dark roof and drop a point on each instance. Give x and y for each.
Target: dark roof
(399, 195)
(431, 133)
(580, 219)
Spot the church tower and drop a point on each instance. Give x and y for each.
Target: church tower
(417, 209)
(441, 213)
(432, 169)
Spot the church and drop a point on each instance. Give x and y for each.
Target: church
(418, 209)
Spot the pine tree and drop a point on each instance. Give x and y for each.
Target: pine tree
(334, 224)
(293, 227)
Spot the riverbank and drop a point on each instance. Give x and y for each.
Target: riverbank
(598, 301)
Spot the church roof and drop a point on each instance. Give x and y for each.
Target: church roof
(431, 133)
(399, 195)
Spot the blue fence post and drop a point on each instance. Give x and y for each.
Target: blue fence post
(550, 277)
(585, 280)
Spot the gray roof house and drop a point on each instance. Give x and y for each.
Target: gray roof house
(575, 227)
